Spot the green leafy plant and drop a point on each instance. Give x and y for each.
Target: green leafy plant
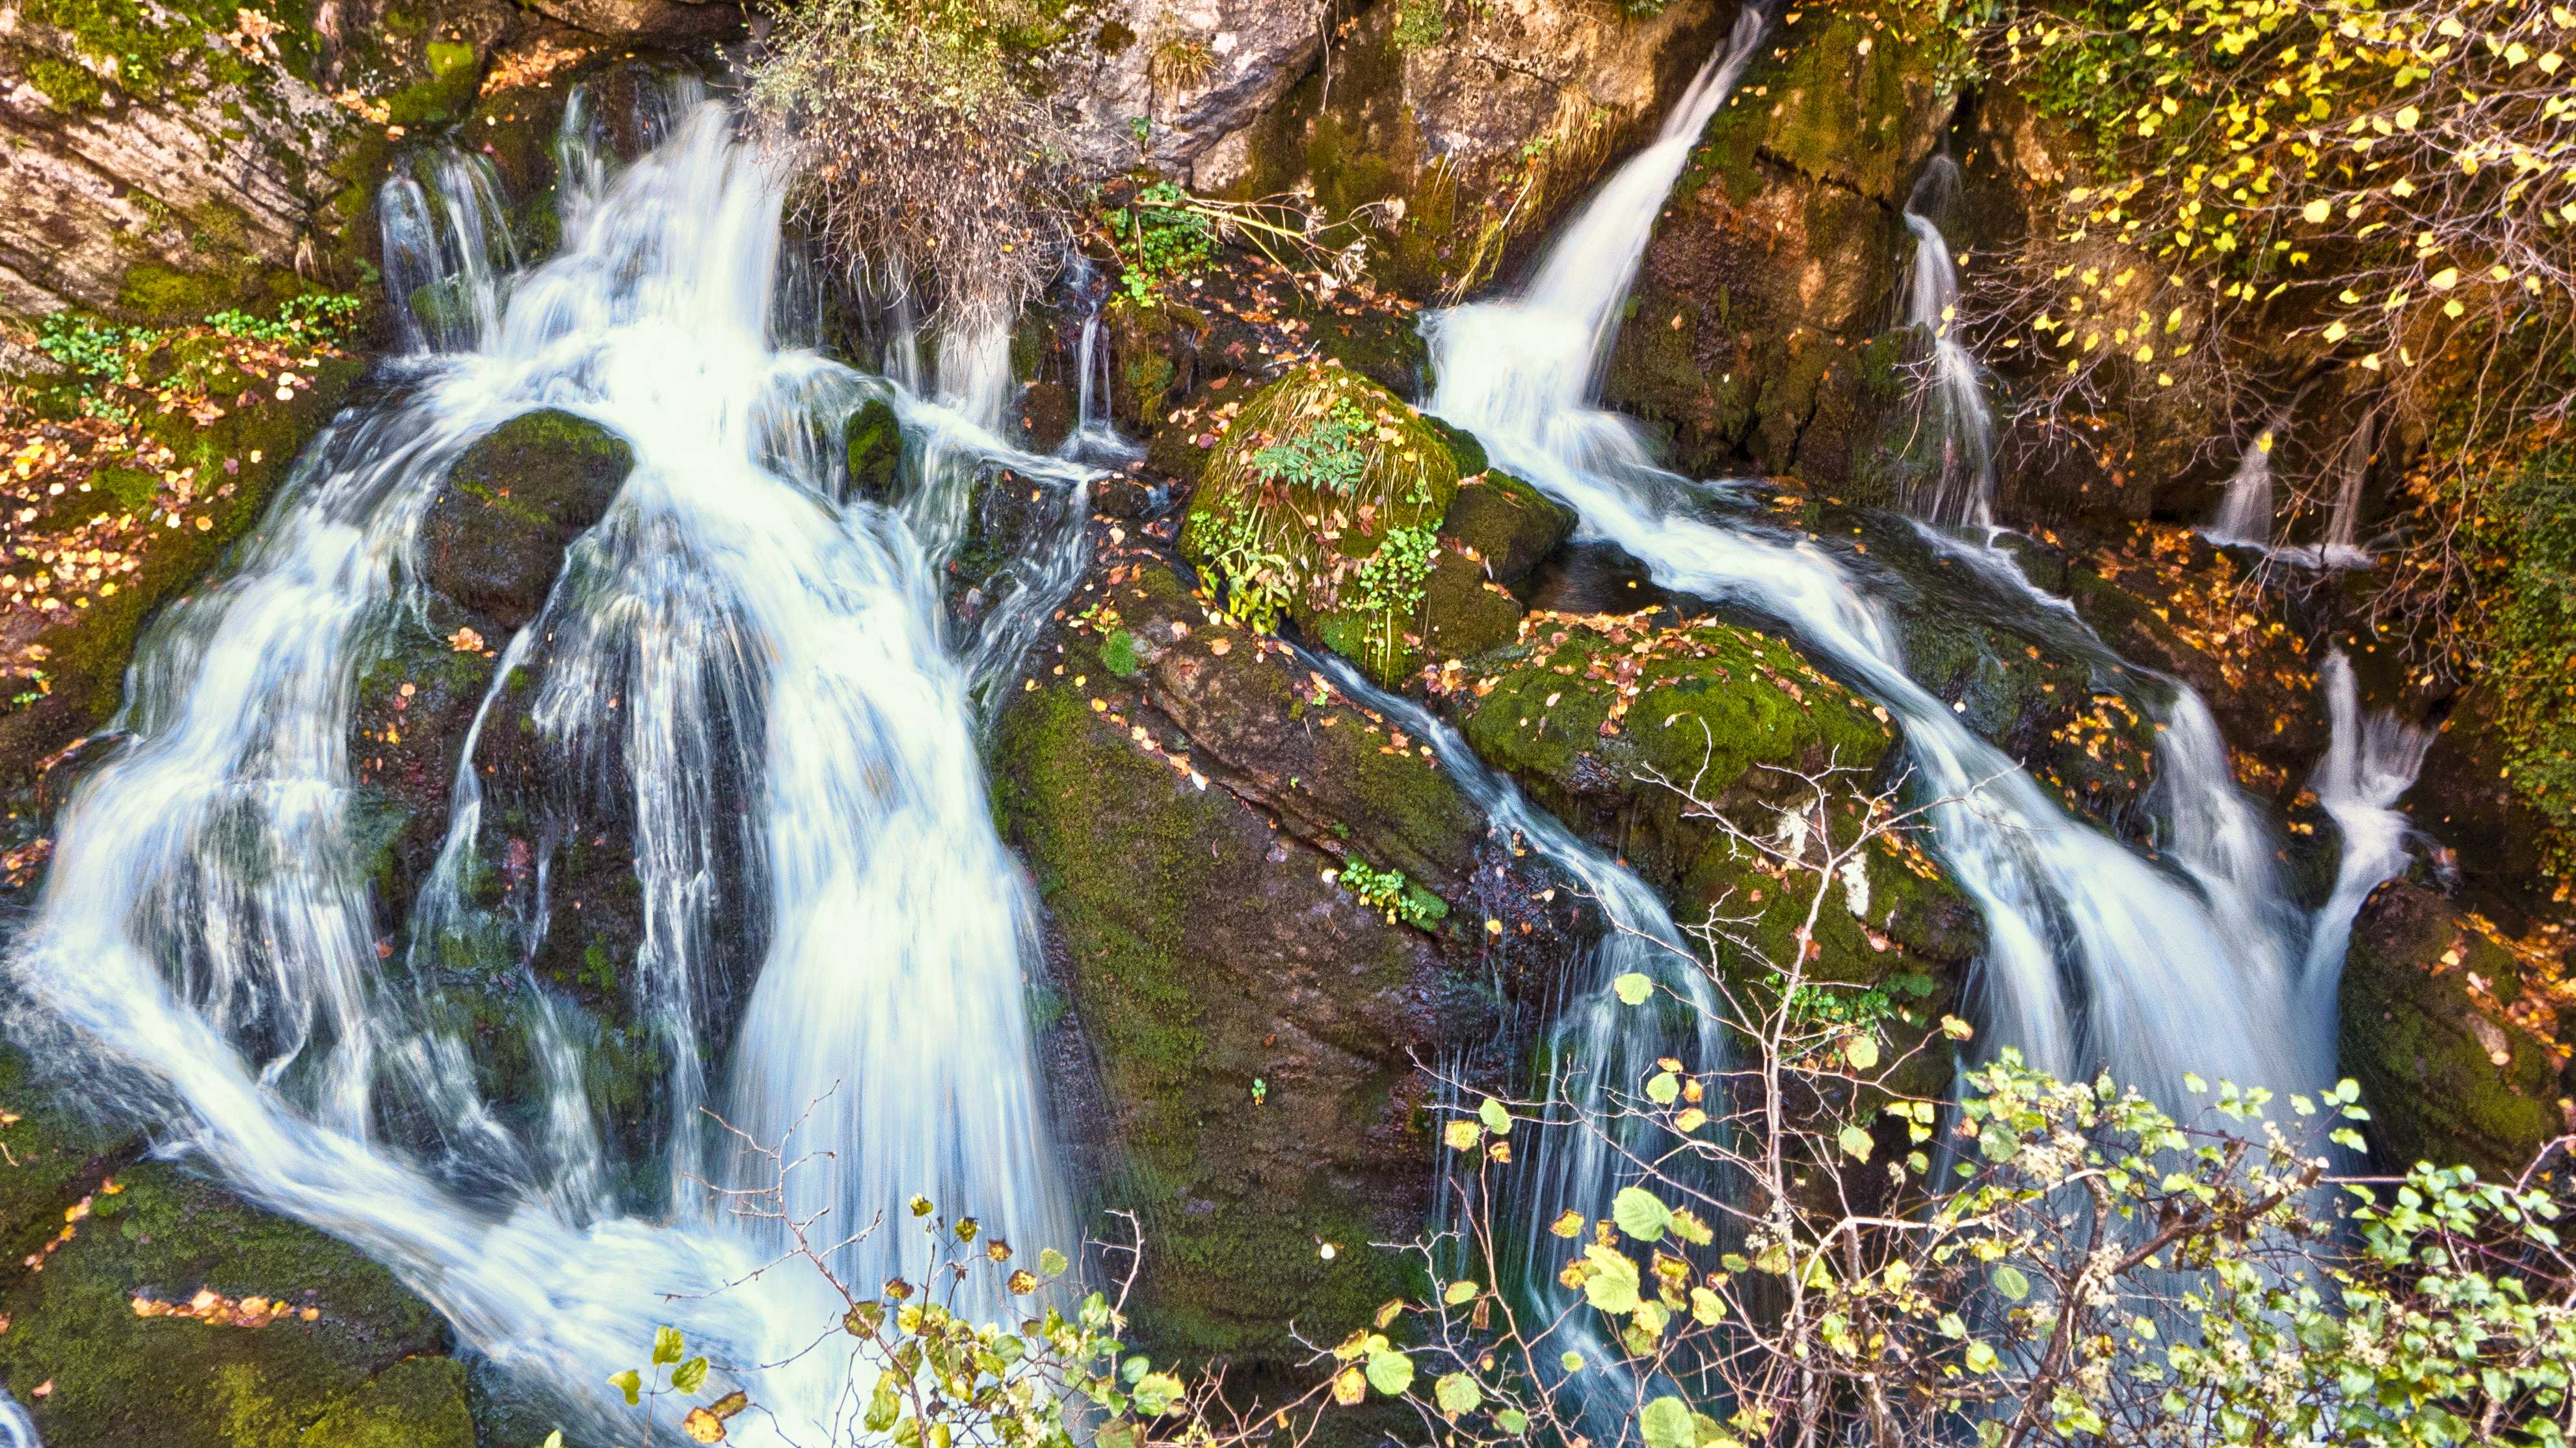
(1160, 238)
(1389, 892)
(1326, 453)
(1389, 583)
(1257, 578)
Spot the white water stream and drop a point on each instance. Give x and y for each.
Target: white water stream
(205, 938)
(1963, 493)
(2096, 958)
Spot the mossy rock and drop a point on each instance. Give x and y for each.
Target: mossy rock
(1184, 791)
(2448, 1075)
(369, 1368)
(1605, 719)
(1252, 1024)
(493, 538)
(1322, 501)
(1506, 525)
(872, 441)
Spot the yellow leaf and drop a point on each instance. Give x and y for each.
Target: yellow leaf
(2317, 211)
(703, 1426)
(2337, 331)
(2445, 279)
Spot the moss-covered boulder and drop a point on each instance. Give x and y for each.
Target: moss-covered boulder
(1196, 806)
(1324, 502)
(1504, 524)
(2438, 1026)
(171, 1314)
(1610, 721)
(872, 445)
(493, 538)
(168, 508)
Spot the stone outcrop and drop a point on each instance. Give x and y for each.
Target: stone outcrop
(1185, 793)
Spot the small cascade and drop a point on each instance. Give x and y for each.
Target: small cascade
(2096, 958)
(1598, 1044)
(2370, 763)
(2342, 546)
(448, 250)
(1094, 437)
(1963, 494)
(2245, 514)
(789, 743)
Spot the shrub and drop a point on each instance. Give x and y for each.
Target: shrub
(915, 146)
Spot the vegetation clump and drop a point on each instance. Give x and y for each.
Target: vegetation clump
(918, 146)
(1322, 501)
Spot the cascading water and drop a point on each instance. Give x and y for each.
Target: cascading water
(1963, 492)
(1601, 1046)
(2245, 513)
(2370, 763)
(2096, 959)
(205, 939)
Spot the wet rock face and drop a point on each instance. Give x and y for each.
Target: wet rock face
(1185, 793)
(1749, 339)
(494, 536)
(2437, 1026)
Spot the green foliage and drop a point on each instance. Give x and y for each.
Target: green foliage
(1160, 239)
(1420, 23)
(307, 320)
(936, 1379)
(1387, 588)
(2223, 1298)
(1324, 454)
(1256, 576)
(2527, 630)
(1389, 891)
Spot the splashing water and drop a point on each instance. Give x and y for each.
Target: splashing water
(1964, 492)
(2370, 763)
(2095, 958)
(205, 937)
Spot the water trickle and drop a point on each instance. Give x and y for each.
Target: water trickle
(1962, 494)
(2370, 763)
(2341, 547)
(1602, 1048)
(2095, 957)
(205, 940)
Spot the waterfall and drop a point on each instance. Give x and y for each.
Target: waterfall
(447, 249)
(2245, 514)
(204, 943)
(17, 1430)
(1963, 495)
(2096, 959)
(2342, 546)
(2369, 764)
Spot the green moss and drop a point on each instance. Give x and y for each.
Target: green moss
(1589, 721)
(872, 440)
(167, 1380)
(262, 442)
(68, 85)
(1180, 915)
